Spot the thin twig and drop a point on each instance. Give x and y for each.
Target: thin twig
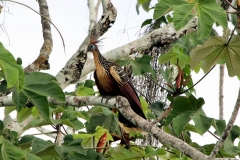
(42, 16)
(158, 84)
(213, 135)
(231, 5)
(163, 115)
(198, 81)
(227, 130)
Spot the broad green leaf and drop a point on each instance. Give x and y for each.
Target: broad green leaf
(11, 152)
(70, 147)
(40, 102)
(165, 6)
(69, 118)
(183, 14)
(214, 11)
(108, 122)
(220, 126)
(24, 114)
(202, 123)
(209, 148)
(50, 150)
(142, 65)
(119, 153)
(181, 121)
(19, 99)
(26, 141)
(183, 109)
(152, 152)
(7, 65)
(84, 91)
(218, 49)
(44, 84)
(184, 104)
(91, 140)
(229, 146)
(157, 108)
(176, 56)
(38, 77)
(39, 145)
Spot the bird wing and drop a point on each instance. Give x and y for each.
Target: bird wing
(126, 88)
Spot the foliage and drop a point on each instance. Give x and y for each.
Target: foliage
(96, 126)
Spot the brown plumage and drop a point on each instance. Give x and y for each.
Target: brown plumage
(112, 80)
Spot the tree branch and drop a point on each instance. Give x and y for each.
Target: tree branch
(221, 78)
(227, 129)
(158, 37)
(123, 106)
(72, 71)
(41, 63)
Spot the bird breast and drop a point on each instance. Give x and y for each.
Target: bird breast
(105, 79)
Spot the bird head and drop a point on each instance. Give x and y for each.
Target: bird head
(94, 44)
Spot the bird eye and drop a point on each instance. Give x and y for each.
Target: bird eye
(91, 47)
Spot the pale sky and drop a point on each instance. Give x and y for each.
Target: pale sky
(71, 17)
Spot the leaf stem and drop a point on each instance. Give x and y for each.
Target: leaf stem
(198, 80)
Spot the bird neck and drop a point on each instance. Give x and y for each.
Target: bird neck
(100, 61)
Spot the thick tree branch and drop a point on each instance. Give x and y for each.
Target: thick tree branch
(227, 129)
(158, 37)
(41, 63)
(123, 106)
(72, 71)
(92, 14)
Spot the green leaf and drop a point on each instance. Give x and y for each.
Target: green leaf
(142, 65)
(183, 109)
(24, 114)
(208, 12)
(220, 126)
(40, 102)
(157, 108)
(202, 123)
(108, 122)
(44, 84)
(19, 99)
(165, 6)
(11, 152)
(146, 22)
(39, 145)
(91, 140)
(181, 121)
(209, 148)
(69, 118)
(183, 14)
(8, 67)
(26, 141)
(73, 146)
(144, 105)
(175, 55)
(218, 49)
(184, 104)
(229, 146)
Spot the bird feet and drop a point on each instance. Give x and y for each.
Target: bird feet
(107, 98)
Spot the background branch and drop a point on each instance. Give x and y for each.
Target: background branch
(158, 37)
(227, 129)
(41, 63)
(72, 71)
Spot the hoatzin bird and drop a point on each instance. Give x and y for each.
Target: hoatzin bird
(111, 80)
